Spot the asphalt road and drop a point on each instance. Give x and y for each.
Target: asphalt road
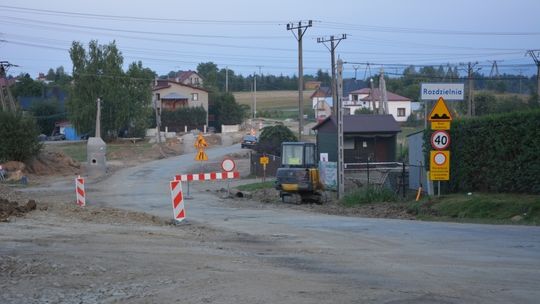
(392, 261)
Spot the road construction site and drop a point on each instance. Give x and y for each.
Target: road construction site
(123, 248)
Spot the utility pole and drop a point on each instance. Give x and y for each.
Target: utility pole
(302, 28)
(334, 42)
(6, 99)
(383, 99)
(494, 69)
(227, 79)
(372, 97)
(470, 98)
(254, 95)
(341, 155)
(535, 55)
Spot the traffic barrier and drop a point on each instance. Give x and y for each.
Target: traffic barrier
(207, 176)
(177, 198)
(79, 190)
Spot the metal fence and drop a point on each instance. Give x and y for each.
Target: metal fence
(389, 175)
(256, 169)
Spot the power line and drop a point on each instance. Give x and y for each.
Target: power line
(120, 17)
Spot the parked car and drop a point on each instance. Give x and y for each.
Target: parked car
(57, 136)
(249, 141)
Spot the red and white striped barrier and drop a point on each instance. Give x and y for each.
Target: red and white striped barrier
(207, 176)
(177, 198)
(79, 190)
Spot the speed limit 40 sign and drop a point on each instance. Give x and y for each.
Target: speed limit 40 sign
(440, 140)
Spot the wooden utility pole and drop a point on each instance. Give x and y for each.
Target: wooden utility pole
(6, 99)
(302, 28)
(334, 42)
(535, 55)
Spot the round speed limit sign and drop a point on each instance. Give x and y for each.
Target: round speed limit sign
(440, 140)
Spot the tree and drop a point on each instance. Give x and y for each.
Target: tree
(19, 137)
(272, 137)
(226, 110)
(125, 96)
(209, 72)
(46, 114)
(27, 87)
(323, 77)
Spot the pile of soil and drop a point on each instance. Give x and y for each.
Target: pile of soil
(52, 163)
(9, 208)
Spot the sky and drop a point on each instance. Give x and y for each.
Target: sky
(250, 36)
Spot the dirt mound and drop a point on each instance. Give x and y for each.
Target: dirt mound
(52, 162)
(13, 166)
(8, 208)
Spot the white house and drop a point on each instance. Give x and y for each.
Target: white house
(321, 102)
(398, 106)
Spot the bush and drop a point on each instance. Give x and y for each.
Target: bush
(369, 195)
(18, 136)
(495, 153)
(272, 137)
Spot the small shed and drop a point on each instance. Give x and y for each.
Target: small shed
(417, 169)
(365, 136)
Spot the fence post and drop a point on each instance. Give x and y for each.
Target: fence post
(403, 180)
(368, 172)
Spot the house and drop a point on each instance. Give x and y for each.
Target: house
(321, 102)
(191, 78)
(171, 95)
(398, 106)
(364, 136)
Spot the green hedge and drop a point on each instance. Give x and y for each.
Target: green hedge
(496, 153)
(175, 120)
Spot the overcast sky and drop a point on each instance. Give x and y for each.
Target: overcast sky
(250, 36)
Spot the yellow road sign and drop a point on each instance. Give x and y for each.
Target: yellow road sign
(440, 125)
(440, 112)
(201, 155)
(439, 165)
(264, 160)
(200, 142)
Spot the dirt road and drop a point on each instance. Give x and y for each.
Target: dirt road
(240, 251)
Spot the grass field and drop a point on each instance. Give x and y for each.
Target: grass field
(273, 100)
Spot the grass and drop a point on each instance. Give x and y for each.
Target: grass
(256, 186)
(77, 151)
(368, 196)
(481, 207)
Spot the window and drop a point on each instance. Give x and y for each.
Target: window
(194, 96)
(400, 112)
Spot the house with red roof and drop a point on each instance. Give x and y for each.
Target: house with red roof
(191, 78)
(398, 106)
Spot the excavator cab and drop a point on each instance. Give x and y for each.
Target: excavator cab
(298, 176)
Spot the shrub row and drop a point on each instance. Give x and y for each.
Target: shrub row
(496, 153)
(191, 117)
